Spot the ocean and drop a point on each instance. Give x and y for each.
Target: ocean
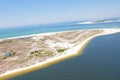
(44, 28)
(99, 61)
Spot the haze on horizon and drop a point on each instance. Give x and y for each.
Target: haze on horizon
(27, 12)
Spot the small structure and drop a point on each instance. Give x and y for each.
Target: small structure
(7, 55)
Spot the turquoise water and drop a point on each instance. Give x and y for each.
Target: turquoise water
(100, 61)
(34, 29)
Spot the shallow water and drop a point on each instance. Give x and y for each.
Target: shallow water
(100, 61)
(35, 29)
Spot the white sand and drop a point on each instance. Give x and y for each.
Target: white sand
(69, 52)
(114, 30)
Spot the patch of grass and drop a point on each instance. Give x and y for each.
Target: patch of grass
(13, 53)
(40, 53)
(61, 50)
(49, 52)
(36, 52)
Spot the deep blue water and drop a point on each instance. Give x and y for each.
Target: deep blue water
(100, 61)
(34, 29)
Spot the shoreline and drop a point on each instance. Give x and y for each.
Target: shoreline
(50, 33)
(71, 53)
(77, 50)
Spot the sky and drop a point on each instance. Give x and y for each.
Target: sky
(27, 12)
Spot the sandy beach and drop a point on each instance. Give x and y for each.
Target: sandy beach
(73, 51)
(110, 31)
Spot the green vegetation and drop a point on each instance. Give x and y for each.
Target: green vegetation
(61, 50)
(13, 53)
(49, 52)
(40, 53)
(36, 52)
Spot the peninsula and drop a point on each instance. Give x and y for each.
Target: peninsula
(24, 54)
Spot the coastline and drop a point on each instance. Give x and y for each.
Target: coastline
(50, 33)
(71, 53)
